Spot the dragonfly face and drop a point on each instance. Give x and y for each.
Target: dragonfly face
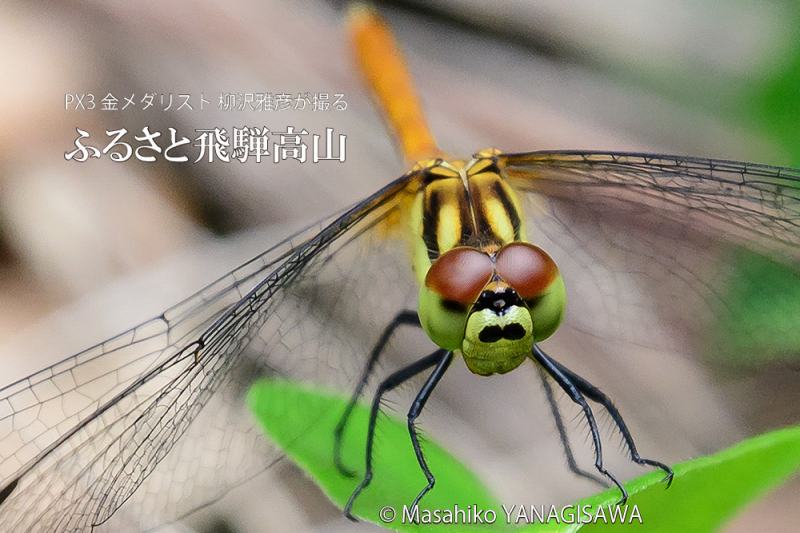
(486, 292)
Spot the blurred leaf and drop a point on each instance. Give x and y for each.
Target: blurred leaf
(757, 326)
(775, 102)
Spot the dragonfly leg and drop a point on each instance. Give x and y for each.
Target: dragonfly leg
(596, 395)
(416, 408)
(395, 379)
(576, 396)
(562, 434)
(408, 318)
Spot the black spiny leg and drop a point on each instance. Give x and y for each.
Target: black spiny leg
(596, 395)
(416, 408)
(575, 395)
(562, 433)
(408, 318)
(397, 378)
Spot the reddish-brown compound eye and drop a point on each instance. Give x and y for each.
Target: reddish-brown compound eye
(527, 268)
(460, 274)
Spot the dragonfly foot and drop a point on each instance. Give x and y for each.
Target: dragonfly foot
(349, 507)
(421, 495)
(667, 470)
(623, 491)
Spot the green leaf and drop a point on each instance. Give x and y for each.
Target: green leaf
(773, 100)
(709, 490)
(301, 421)
(760, 320)
(705, 493)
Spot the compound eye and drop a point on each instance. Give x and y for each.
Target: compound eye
(527, 268)
(459, 275)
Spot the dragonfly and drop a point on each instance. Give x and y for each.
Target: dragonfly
(482, 253)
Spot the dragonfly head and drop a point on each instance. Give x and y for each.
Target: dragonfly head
(492, 306)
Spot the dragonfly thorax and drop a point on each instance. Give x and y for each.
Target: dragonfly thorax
(484, 291)
(462, 203)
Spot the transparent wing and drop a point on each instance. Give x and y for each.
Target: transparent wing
(758, 205)
(657, 250)
(154, 420)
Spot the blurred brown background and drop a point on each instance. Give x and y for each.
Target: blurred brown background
(87, 249)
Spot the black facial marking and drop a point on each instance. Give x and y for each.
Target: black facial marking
(499, 302)
(511, 332)
(491, 334)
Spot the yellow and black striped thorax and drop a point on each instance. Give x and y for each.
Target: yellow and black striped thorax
(462, 203)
